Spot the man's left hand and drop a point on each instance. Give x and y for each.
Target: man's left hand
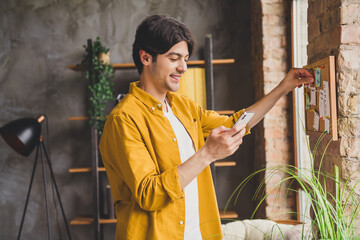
(296, 77)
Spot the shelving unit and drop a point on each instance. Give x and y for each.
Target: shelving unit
(89, 220)
(85, 170)
(210, 88)
(95, 170)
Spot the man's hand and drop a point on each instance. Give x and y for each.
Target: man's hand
(296, 77)
(223, 142)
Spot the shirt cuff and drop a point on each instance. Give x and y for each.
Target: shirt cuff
(237, 116)
(170, 181)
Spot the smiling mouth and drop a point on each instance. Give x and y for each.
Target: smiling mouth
(176, 77)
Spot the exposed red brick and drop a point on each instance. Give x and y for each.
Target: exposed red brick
(274, 147)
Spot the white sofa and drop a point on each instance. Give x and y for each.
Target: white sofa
(260, 229)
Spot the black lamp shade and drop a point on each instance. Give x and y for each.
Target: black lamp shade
(22, 135)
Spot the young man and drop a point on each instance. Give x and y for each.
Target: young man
(153, 144)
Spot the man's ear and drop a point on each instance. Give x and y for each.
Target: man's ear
(145, 58)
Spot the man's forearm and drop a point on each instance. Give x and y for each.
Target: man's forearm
(261, 107)
(294, 78)
(192, 167)
(221, 142)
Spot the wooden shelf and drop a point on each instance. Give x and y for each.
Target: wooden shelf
(81, 118)
(228, 214)
(89, 220)
(102, 169)
(225, 112)
(85, 170)
(119, 66)
(225, 164)
(78, 118)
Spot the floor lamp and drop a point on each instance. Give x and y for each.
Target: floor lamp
(23, 135)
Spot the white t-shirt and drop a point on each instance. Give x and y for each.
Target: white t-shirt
(186, 149)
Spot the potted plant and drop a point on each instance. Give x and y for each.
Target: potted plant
(100, 73)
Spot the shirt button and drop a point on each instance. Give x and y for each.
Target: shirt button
(159, 105)
(181, 222)
(153, 108)
(174, 139)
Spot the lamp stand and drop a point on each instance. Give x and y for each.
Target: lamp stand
(41, 147)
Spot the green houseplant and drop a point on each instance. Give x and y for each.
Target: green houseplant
(100, 74)
(334, 213)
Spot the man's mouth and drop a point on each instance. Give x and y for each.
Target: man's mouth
(176, 77)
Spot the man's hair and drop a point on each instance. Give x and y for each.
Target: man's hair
(157, 34)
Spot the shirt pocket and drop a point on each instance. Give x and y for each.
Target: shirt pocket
(192, 128)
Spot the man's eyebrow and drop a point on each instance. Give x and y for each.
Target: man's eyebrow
(177, 54)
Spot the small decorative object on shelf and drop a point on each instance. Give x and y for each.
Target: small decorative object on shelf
(100, 73)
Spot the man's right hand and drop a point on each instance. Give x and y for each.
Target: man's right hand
(223, 142)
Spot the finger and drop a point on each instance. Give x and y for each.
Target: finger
(239, 127)
(238, 137)
(305, 80)
(241, 132)
(219, 130)
(236, 129)
(303, 73)
(306, 73)
(238, 140)
(303, 76)
(236, 145)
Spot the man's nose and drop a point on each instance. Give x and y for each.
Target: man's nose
(182, 67)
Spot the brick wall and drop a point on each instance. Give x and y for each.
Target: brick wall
(258, 78)
(273, 136)
(334, 29)
(348, 75)
(348, 78)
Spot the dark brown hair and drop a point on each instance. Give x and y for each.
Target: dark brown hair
(156, 34)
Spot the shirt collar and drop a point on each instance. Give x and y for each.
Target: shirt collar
(145, 97)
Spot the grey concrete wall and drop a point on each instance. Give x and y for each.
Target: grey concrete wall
(39, 39)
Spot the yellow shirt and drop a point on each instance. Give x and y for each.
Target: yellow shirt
(140, 153)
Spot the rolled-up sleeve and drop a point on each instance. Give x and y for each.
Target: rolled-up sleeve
(211, 120)
(128, 160)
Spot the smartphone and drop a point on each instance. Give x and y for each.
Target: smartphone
(244, 118)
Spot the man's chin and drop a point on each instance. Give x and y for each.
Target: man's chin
(174, 88)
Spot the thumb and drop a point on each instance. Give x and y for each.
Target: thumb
(219, 130)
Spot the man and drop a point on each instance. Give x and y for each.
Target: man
(153, 141)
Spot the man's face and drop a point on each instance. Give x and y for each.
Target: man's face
(169, 67)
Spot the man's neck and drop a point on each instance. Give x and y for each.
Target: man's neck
(153, 91)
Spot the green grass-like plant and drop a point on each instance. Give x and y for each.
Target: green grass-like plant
(334, 213)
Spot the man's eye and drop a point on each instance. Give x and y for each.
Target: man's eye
(173, 59)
